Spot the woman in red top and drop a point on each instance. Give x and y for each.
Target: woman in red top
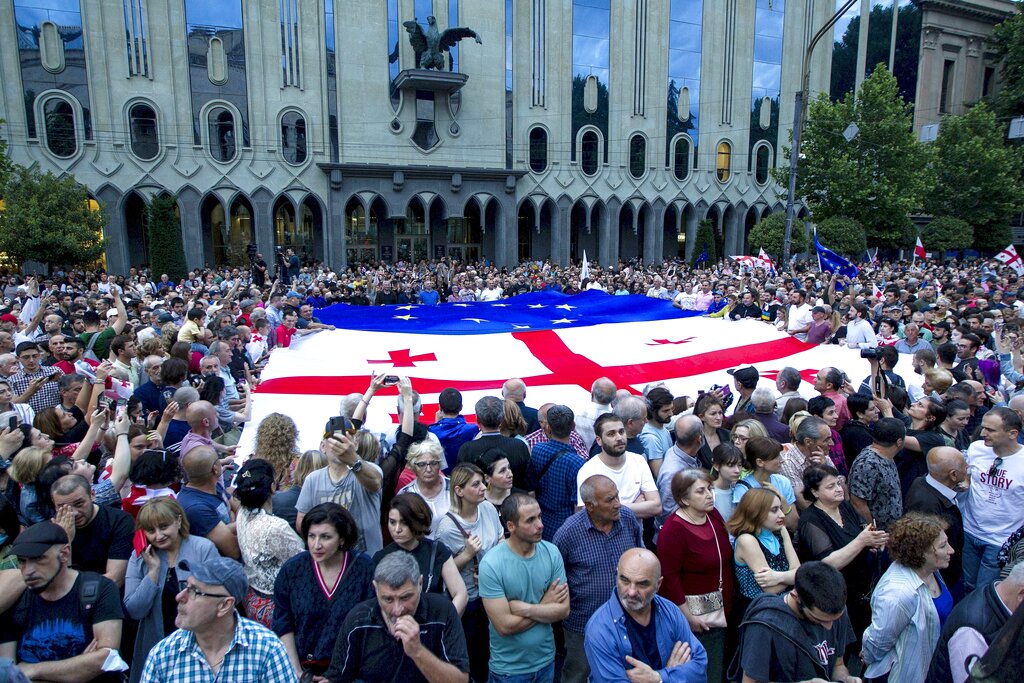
(696, 559)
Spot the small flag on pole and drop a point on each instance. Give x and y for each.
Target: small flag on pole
(919, 252)
(585, 271)
(767, 262)
(829, 261)
(1010, 257)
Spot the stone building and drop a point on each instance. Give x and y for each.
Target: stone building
(572, 126)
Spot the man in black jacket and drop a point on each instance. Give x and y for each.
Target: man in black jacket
(489, 410)
(935, 494)
(973, 624)
(747, 308)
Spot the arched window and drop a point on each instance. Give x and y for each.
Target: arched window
(145, 142)
(222, 134)
(538, 150)
(762, 161)
(293, 137)
(723, 165)
(637, 156)
(589, 149)
(681, 159)
(59, 120)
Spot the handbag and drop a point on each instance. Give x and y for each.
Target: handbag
(710, 606)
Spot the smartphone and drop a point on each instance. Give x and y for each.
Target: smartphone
(390, 380)
(9, 420)
(339, 423)
(121, 408)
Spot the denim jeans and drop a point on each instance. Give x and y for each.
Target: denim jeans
(545, 675)
(980, 563)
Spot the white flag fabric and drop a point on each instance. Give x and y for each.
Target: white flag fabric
(1010, 257)
(557, 344)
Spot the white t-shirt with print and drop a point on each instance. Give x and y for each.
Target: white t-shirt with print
(994, 506)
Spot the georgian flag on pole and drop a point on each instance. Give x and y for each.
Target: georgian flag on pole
(1010, 257)
(558, 345)
(769, 264)
(919, 252)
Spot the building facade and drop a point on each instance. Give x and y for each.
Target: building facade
(573, 126)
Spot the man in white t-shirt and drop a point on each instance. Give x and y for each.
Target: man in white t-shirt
(994, 508)
(798, 317)
(630, 472)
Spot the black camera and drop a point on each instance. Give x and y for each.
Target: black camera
(870, 354)
(339, 423)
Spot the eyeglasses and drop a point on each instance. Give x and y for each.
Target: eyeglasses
(994, 470)
(428, 464)
(194, 593)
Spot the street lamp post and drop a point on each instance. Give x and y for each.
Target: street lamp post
(799, 112)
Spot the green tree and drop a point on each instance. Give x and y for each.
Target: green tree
(1008, 41)
(705, 239)
(945, 233)
(977, 176)
(768, 235)
(166, 248)
(876, 178)
(48, 219)
(844, 236)
(6, 165)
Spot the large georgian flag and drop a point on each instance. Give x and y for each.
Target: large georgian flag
(557, 344)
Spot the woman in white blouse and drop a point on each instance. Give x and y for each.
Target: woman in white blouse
(266, 541)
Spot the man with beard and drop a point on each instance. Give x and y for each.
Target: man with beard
(524, 591)
(639, 634)
(655, 436)
(65, 624)
(629, 471)
(403, 634)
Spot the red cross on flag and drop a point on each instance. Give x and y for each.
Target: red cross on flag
(558, 344)
(1010, 257)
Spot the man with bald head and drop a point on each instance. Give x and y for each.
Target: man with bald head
(206, 502)
(515, 390)
(202, 420)
(689, 435)
(935, 494)
(640, 635)
(591, 541)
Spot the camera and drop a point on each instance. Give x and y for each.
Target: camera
(870, 354)
(339, 423)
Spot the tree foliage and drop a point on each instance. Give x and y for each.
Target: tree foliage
(876, 178)
(768, 235)
(1008, 41)
(977, 176)
(166, 248)
(48, 219)
(705, 239)
(908, 40)
(946, 233)
(843, 235)
(6, 166)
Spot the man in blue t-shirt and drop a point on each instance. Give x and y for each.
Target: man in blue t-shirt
(205, 501)
(524, 591)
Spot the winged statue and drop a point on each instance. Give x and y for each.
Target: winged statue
(430, 47)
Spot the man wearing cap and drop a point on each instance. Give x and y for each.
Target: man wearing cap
(745, 380)
(63, 627)
(214, 643)
(403, 634)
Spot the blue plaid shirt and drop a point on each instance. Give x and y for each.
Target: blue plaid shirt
(591, 558)
(556, 490)
(255, 654)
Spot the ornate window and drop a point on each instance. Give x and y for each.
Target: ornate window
(637, 156)
(59, 123)
(142, 123)
(762, 163)
(538, 150)
(293, 137)
(681, 158)
(589, 150)
(221, 133)
(723, 163)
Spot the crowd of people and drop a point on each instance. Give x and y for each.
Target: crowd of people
(860, 529)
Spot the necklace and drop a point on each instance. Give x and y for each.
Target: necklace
(684, 513)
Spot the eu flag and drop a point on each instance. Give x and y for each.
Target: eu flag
(703, 254)
(829, 261)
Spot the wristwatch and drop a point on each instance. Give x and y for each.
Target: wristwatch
(358, 465)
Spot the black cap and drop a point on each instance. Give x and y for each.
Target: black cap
(165, 318)
(747, 376)
(37, 539)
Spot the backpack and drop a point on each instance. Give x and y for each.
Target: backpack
(89, 353)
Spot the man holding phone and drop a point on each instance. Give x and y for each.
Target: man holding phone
(35, 384)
